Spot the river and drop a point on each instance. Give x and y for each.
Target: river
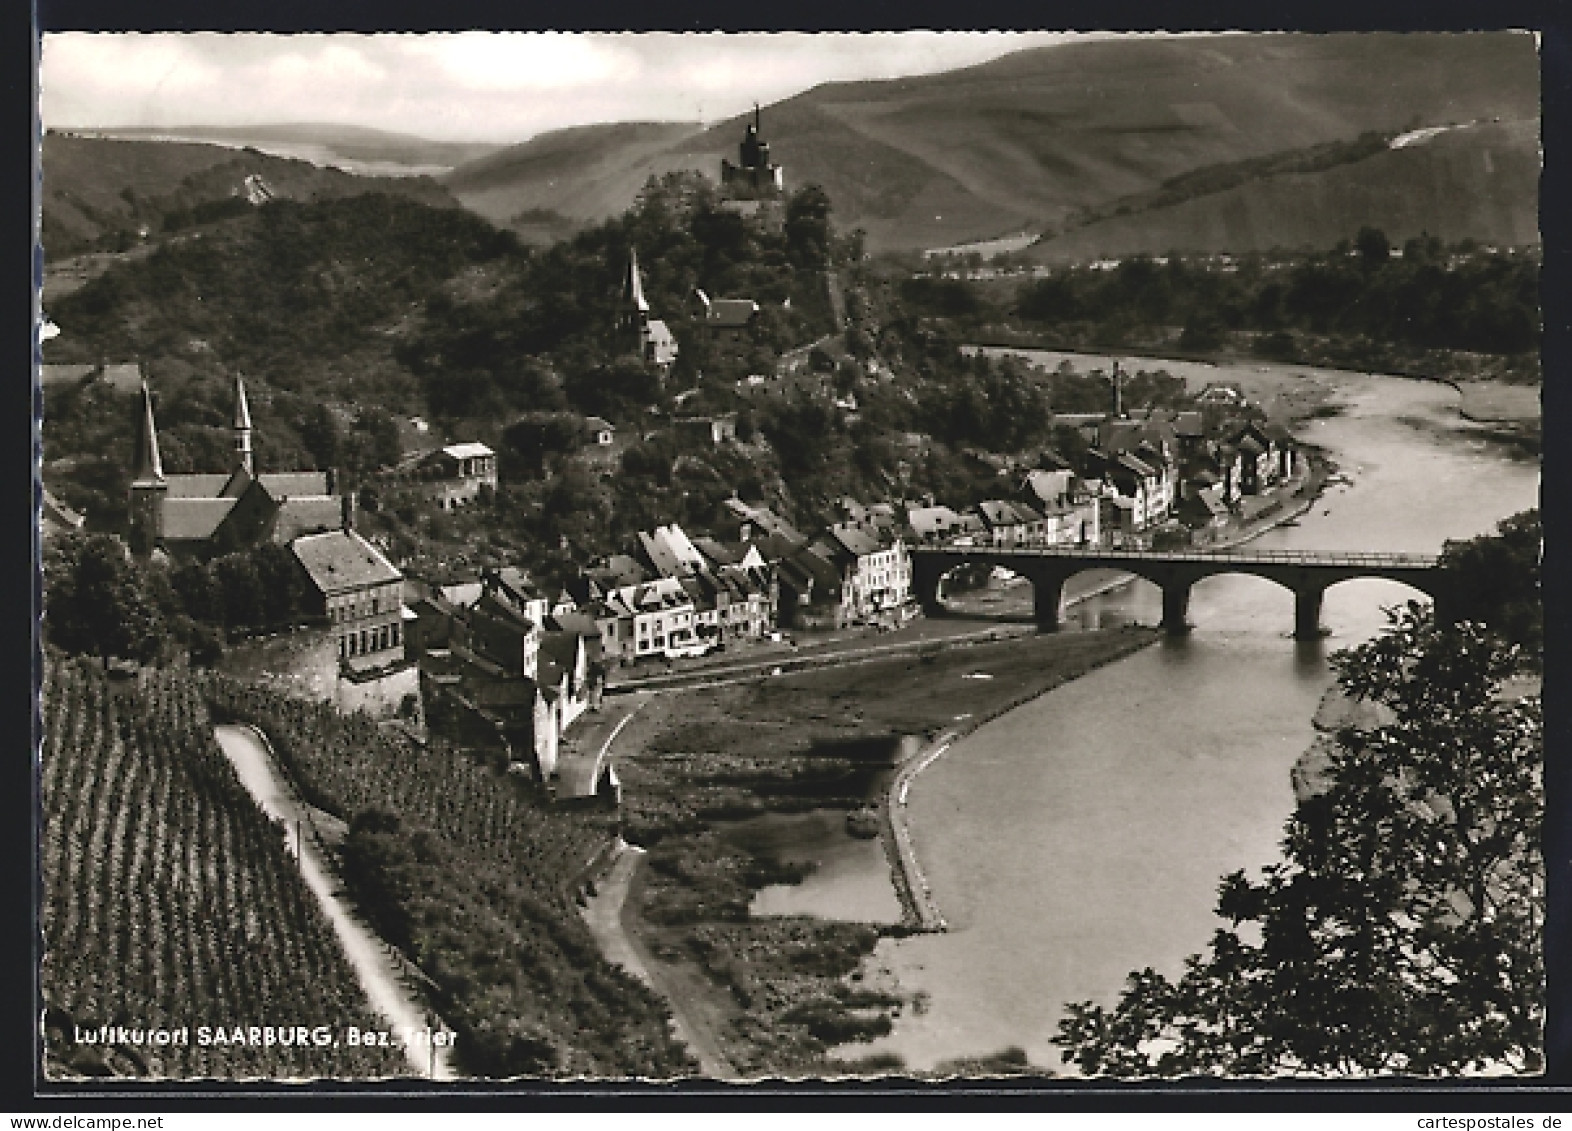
(1082, 836)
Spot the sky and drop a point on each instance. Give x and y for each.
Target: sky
(470, 86)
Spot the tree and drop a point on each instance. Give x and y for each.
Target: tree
(320, 432)
(1373, 247)
(96, 600)
(1494, 579)
(808, 227)
(1402, 933)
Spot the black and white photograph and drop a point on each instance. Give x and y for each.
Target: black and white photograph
(924, 556)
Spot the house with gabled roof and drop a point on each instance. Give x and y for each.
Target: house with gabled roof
(1259, 455)
(812, 588)
(875, 569)
(937, 525)
(456, 474)
(1010, 524)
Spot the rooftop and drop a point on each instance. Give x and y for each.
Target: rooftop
(341, 560)
(282, 484)
(728, 312)
(186, 520)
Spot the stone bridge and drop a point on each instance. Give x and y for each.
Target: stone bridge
(1307, 575)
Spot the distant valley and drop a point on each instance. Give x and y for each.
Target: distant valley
(1078, 143)
(354, 149)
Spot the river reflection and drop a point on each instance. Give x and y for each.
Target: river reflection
(1083, 835)
(850, 878)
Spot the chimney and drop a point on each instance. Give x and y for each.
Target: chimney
(348, 506)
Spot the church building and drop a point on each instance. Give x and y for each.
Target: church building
(656, 344)
(353, 591)
(192, 514)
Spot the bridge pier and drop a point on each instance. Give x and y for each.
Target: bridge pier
(927, 582)
(1307, 613)
(1048, 603)
(1176, 607)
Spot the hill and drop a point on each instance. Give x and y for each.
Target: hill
(1476, 182)
(1029, 139)
(301, 294)
(355, 149)
(584, 174)
(97, 192)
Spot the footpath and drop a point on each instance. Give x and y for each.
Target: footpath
(381, 969)
(604, 914)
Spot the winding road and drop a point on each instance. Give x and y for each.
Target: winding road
(603, 913)
(374, 961)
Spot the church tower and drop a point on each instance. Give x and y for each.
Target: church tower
(633, 316)
(242, 428)
(148, 486)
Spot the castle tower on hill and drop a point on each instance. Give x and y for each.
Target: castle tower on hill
(756, 177)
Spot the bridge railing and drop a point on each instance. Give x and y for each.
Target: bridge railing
(1360, 558)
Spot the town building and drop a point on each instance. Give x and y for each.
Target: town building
(1011, 524)
(875, 572)
(941, 525)
(359, 595)
(456, 475)
(663, 619)
(709, 430)
(728, 322)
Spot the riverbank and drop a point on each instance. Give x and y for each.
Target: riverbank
(777, 992)
(920, 911)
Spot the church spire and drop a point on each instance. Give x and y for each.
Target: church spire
(149, 467)
(633, 289)
(242, 427)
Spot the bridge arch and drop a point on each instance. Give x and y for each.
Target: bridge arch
(1304, 574)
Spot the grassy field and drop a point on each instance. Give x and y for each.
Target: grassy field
(777, 992)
